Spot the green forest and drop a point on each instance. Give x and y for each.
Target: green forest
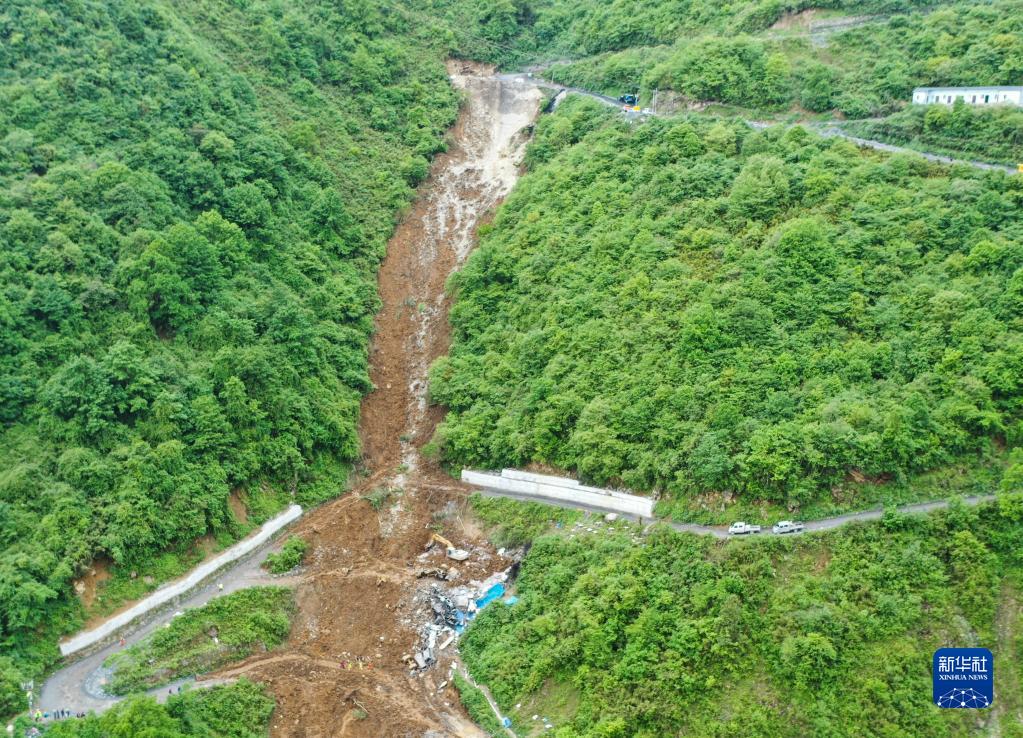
(763, 58)
(697, 308)
(824, 635)
(863, 71)
(194, 199)
(527, 30)
(195, 196)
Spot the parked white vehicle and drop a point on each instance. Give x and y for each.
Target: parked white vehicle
(787, 526)
(742, 529)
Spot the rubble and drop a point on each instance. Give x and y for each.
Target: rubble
(446, 611)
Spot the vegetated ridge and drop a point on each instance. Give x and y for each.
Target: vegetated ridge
(192, 214)
(826, 635)
(693, 307)
(762, 57)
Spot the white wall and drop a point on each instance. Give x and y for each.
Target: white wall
(541, 487)
(169, 591)
(970, 95)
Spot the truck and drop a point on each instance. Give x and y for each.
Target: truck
(740, 528)
(787, 526)
(628, 98)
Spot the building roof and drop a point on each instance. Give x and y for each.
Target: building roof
(1010, 88)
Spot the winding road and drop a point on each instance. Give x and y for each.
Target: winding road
(838, 520)
(827, 130)
(558, 492)
(78, 686)
(491, 144)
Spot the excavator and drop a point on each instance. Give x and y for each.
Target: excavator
(456, 554)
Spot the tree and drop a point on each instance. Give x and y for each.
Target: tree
(12, 699)
(809, 659)
(761, 190)
(818, 88)
(246, 205)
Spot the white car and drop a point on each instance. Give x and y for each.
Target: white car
(787, 526)
(742, 529)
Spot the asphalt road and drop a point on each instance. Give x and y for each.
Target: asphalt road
(826, 131)
(78, 687)
(721, 531)
(830, 523)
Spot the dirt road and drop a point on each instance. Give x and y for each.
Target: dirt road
(342, 671)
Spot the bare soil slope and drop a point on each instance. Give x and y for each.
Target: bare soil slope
(342, 673)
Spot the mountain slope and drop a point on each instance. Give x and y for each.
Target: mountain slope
(856, 59)
(697, 308)
(194, 199)
(825, 635)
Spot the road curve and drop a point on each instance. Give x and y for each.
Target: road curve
(828, 131)
(77, 687)
(892, 148)
(836, 521)
(721, 531)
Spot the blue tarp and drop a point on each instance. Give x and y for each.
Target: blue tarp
(490, 595)
(511, 600)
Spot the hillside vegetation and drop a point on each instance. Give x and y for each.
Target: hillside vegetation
(224, 630)
(863, 71)
(553, 28)
(729, 53)
(240, 710)
(824, 635)
(697, 308)
(989, 134)
(194, 199)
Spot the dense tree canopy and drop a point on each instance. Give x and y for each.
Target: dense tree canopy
(514, 29)
(826, 636)
(865, 70)
(194, 198)
(696, 307)
(733, 53)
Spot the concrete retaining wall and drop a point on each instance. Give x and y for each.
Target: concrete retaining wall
(543, 487)
(175, 589)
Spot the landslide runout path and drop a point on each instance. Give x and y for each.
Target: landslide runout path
(355, 600)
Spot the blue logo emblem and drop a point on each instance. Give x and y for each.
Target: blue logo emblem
(963, 677)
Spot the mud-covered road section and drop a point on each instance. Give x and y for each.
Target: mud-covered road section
(342, 672)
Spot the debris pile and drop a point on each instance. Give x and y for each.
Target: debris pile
(449, 610)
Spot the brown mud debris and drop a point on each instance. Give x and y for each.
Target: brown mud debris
(344, 671)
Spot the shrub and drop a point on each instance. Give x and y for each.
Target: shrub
(290, 556)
